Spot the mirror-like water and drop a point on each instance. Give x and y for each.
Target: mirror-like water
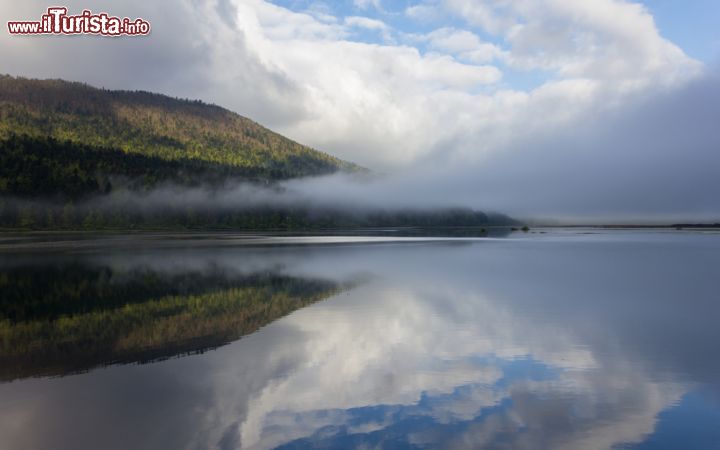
(560, 340)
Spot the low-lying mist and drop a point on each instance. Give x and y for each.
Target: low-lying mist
(655, 162)
(234, 205)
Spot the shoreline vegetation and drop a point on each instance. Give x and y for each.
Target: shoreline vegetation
(41, 216)
(377, 230)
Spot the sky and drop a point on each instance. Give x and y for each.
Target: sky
(543, 108)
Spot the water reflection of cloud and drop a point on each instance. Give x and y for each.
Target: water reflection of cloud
(383, 357)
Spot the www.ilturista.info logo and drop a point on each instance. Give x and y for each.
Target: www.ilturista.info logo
(57, 21)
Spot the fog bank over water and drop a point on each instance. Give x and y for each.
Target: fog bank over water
(655, 162)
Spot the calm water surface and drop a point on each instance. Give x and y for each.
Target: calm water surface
(563, 340)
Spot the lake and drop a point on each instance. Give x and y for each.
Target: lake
(561, 339)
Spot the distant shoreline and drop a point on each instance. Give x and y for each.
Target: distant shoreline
(639, 226)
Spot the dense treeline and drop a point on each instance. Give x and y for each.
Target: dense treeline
(45, 167)
(153, 125)
(19, 214)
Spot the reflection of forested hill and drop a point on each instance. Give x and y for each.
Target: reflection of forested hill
(56, 321)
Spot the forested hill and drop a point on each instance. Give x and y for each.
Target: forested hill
(154, 126)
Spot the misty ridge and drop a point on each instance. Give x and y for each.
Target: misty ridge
(73, 156)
